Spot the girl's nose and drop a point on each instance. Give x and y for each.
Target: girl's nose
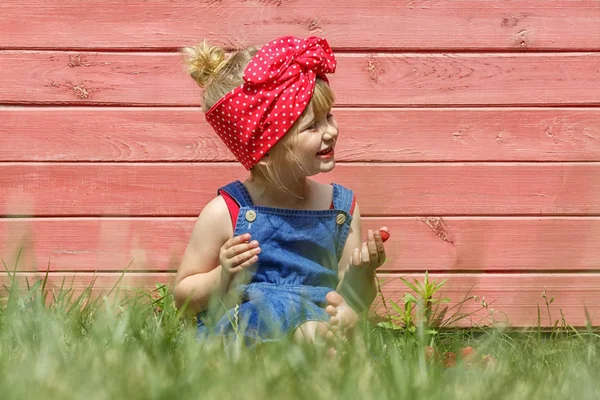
(331, 131)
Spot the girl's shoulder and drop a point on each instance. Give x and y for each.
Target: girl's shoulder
(215, 214)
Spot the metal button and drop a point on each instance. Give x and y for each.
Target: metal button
(341, 218)
(250, 215)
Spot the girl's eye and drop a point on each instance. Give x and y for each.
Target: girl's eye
(313, 127)
(329, 116)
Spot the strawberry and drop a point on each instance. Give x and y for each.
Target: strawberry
(430, 353)
(468, 354)
(385, 235)
(450, 360)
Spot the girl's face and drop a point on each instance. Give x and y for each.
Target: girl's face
(315, 142)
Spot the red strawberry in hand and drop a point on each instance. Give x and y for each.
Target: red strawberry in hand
(385, 235)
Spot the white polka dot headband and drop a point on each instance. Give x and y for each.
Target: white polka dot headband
(278, 84)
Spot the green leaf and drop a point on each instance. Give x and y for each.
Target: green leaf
(396, 307)
(409, 298)
(388, 325)
(410, 285)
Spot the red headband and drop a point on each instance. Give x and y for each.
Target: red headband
(278, 84)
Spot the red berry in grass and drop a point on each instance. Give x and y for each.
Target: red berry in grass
(430, 353)
(385, 235)
(468, 354)
(450, 360)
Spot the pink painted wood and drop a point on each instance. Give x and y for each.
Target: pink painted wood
(510, 298)
(349, 24)
(361, 79)
(421, 189)
(480, 155)
(448, 244)
(366, 134)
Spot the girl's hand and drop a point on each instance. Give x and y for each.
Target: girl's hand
(372, 254)
(238, 254)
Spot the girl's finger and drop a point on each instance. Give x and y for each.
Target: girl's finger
(379, 242)
(382, 257)
(381, 249)
(248, 263)
(240, 248)
(372, 245)
(356, 258)
(241, 258)
(237, 240)
(364, 255)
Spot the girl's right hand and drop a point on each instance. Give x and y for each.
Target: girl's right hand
(238, 254)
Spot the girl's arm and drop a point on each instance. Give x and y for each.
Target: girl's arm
(358, 286)
(199, 274)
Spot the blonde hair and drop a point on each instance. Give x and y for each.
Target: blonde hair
(218, 76)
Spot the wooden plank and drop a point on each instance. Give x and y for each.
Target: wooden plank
(94, 244)
(513, 297)
(404, 25)
(33, 77)
(419, 189)
(395, 135)
(128, 284)
(475, 244)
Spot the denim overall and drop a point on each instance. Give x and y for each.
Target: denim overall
(296, 268)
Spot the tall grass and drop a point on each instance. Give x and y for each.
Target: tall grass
(54, 345)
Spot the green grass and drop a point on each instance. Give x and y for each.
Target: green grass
(84, 348)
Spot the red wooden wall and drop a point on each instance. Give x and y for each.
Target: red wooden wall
(481, 118)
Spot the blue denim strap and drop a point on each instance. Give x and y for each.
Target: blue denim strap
(238, 192)
(342, 198)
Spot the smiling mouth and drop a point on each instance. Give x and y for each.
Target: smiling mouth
(325, 152)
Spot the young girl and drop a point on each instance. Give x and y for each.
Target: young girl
(288, 248)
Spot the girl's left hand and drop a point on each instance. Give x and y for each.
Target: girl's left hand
(372, 254)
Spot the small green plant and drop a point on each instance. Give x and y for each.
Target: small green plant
(423, 303)
(425, 296)
(560, 326)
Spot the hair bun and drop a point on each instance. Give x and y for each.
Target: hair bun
(203, 62)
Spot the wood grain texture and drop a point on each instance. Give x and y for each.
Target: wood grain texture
(182, 189)
(351, 24)
(421, 189)
(32, 77)
(514, 298)
(366, 135)
(469, 128)
(449, 244)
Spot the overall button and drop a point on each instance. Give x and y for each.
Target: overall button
(250, 215)
(341, 218)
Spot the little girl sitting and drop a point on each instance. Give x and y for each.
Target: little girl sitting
(288, 249)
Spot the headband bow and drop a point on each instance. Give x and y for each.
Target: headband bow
(278, 84)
